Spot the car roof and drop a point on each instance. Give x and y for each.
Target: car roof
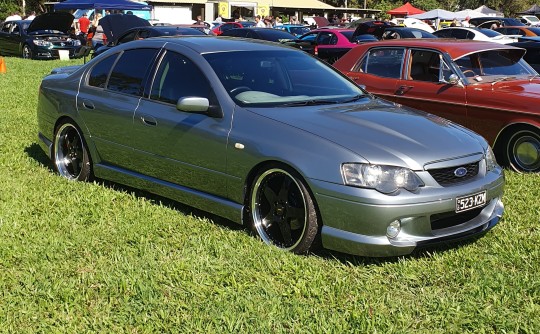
(209, 44)
(455, 48)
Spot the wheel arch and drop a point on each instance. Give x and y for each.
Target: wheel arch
(264, 165)
(505, 135)
(93, 155)
(498, 143)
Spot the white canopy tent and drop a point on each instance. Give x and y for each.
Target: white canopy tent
(435, 14)
(468, 12)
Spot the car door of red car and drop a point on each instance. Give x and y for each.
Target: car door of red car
(425, 86)
(379, 70)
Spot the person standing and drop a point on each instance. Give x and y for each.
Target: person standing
(465, 23)
(259, 22)
(84, 24)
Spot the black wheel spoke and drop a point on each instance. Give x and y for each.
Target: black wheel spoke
(270, 195)
(284, 190)
(285, 230)
(295, 213)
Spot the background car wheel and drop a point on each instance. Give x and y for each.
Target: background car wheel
(522, 151)
(70, 155)
(282, 211)
(26, 52)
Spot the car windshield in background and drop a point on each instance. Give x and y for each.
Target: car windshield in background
(275, 35)
(494, 65)
(298, 30)
(270, 78)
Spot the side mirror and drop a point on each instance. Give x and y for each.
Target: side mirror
(198, 105)
(453, 79)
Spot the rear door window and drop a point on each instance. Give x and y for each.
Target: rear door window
(383, 62)
(130, 71)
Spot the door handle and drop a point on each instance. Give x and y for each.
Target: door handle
(403, 89)
(88, 104)
(148, 120)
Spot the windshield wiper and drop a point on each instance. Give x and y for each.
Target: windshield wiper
(310, 103)
(532, 77)
(501, 79)
(356, 98)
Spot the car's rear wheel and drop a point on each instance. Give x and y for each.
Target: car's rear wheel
(282, 210)
(70, 153)
(522, 151)
(27, 52)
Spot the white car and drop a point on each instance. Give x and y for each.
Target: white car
(478, 34)
(530, 20)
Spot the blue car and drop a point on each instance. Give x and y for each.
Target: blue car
(295, 29)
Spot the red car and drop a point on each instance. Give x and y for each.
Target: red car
(231, 25)
(332, 43)
(484, 86)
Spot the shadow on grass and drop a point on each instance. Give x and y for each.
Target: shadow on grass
(34, 151)
(423, 252)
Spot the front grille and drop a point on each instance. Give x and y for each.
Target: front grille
(446, 176)
(448, 219)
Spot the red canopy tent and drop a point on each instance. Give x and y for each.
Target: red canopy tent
(405, 10)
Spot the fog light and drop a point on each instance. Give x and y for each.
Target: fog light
(393, 229)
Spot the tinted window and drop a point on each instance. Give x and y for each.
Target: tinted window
(383, 62)
(178, 77)
(326, 38)
(444, 33)
(100, 72)
(130, 70)
(461, 34)
(127, 38)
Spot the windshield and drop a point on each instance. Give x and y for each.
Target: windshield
(298, 30)
(532, 18)
(493, 65)
(284, 77)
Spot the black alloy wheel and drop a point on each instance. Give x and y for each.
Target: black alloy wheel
(283, 212)
(70, 154)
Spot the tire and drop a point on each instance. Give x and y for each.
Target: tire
(27, 52)
(522, 150)
(282, 211)
(70, 153)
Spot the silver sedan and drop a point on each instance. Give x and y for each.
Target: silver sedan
(270, 137)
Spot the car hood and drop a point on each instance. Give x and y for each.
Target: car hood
(60, 21)
(382, 132)
(115, 24)
(521, 87)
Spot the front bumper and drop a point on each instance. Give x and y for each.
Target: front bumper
(355, 220)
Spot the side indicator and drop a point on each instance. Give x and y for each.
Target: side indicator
(239, 146)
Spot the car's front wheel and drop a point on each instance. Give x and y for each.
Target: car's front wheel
(70, 153)
(282, 210)
(27, 52)
(522, 151)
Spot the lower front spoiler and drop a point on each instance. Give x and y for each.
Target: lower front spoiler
(382, 246)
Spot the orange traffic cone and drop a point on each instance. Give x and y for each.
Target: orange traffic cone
(2, 65)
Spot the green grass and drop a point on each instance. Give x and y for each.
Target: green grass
(98, 257)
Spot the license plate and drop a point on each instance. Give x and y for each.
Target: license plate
(470, 202)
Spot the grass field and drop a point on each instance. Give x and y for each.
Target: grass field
(99, 257)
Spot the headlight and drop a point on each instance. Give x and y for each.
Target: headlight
(491, 163)
(386, 179)
(76, 42)
(41, 42)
